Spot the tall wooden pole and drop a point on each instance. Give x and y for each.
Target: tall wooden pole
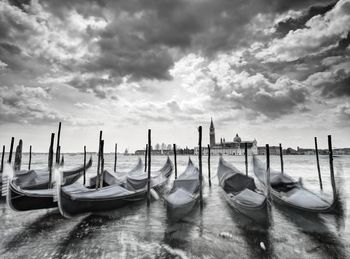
(174, 146)
(318, 165)
(84, 179)
(331, 167)
(50, 160)
(11, 150)
(200, 165)
(18, 156)
(209, 174)
(98, 160)
(246, 157)
(281, 157)
(115, 156)
(146, 157)
(2, 158)
(268, 170)
(58, 150)
(149, 170)
(102, 163)
(30, 157)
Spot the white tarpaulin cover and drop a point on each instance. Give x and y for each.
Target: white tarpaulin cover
(249, 198)
(77, 191)
(185, 186)
(136, 180)
(231, 180)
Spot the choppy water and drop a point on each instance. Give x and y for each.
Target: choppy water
(214, 232)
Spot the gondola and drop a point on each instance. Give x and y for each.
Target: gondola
(20, 192)
(241, 193)
(120, 177)
(184, 193)
(75, 199)
(38, 179)
(288, 192)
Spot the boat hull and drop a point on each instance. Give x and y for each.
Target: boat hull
(260, 214)
(276, 197)
(71, 208)
(19, 201)
(180, 211)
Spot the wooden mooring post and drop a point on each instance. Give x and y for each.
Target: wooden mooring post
(281, 158)
(102, 163)
(98, 161)
(146, 157)
(84, 176)
(331, 167)
(268, 169)
(58, 148)
(318, 164)
(115, 156)
(246, 157)
(11, 150)
(2, 158)
(209, 174)
(175, 162)
(200, 166)
(149, 170)
(50, 160)
(18, 156)
(30, 157)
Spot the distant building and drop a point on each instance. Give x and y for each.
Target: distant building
(236, 147)
(291, 151)
(305, 151)
(166, 152)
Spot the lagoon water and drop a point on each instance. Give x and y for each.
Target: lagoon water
(216, 231)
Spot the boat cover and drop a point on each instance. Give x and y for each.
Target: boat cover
(180, 197)
(277, 179)
(25, 179)
(79, 192)
(28, 179)
(249, 198)
(231, 180)
(306, 199)
(185, 186)
(118, 177)
(136, 180)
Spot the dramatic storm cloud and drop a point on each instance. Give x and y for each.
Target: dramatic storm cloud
(271, 69)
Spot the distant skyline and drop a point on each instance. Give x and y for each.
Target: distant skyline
(274, 70)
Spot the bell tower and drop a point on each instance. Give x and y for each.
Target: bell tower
(212, 133)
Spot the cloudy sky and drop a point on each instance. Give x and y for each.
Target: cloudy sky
(274, 70)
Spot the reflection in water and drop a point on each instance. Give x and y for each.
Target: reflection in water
(257, 236)
(44, 224)
(84, 230)
(315, 226)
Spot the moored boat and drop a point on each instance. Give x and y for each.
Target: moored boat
(20, 191)
(184, 193)
(288, 192)
(241, 193)
(75, 199)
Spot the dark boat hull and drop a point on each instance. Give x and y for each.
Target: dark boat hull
(73, 208)
(25, 200)
(20, 202)
(70, 208)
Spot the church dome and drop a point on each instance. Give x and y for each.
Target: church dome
(237, 139)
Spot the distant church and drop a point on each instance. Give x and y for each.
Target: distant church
(236, 147)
